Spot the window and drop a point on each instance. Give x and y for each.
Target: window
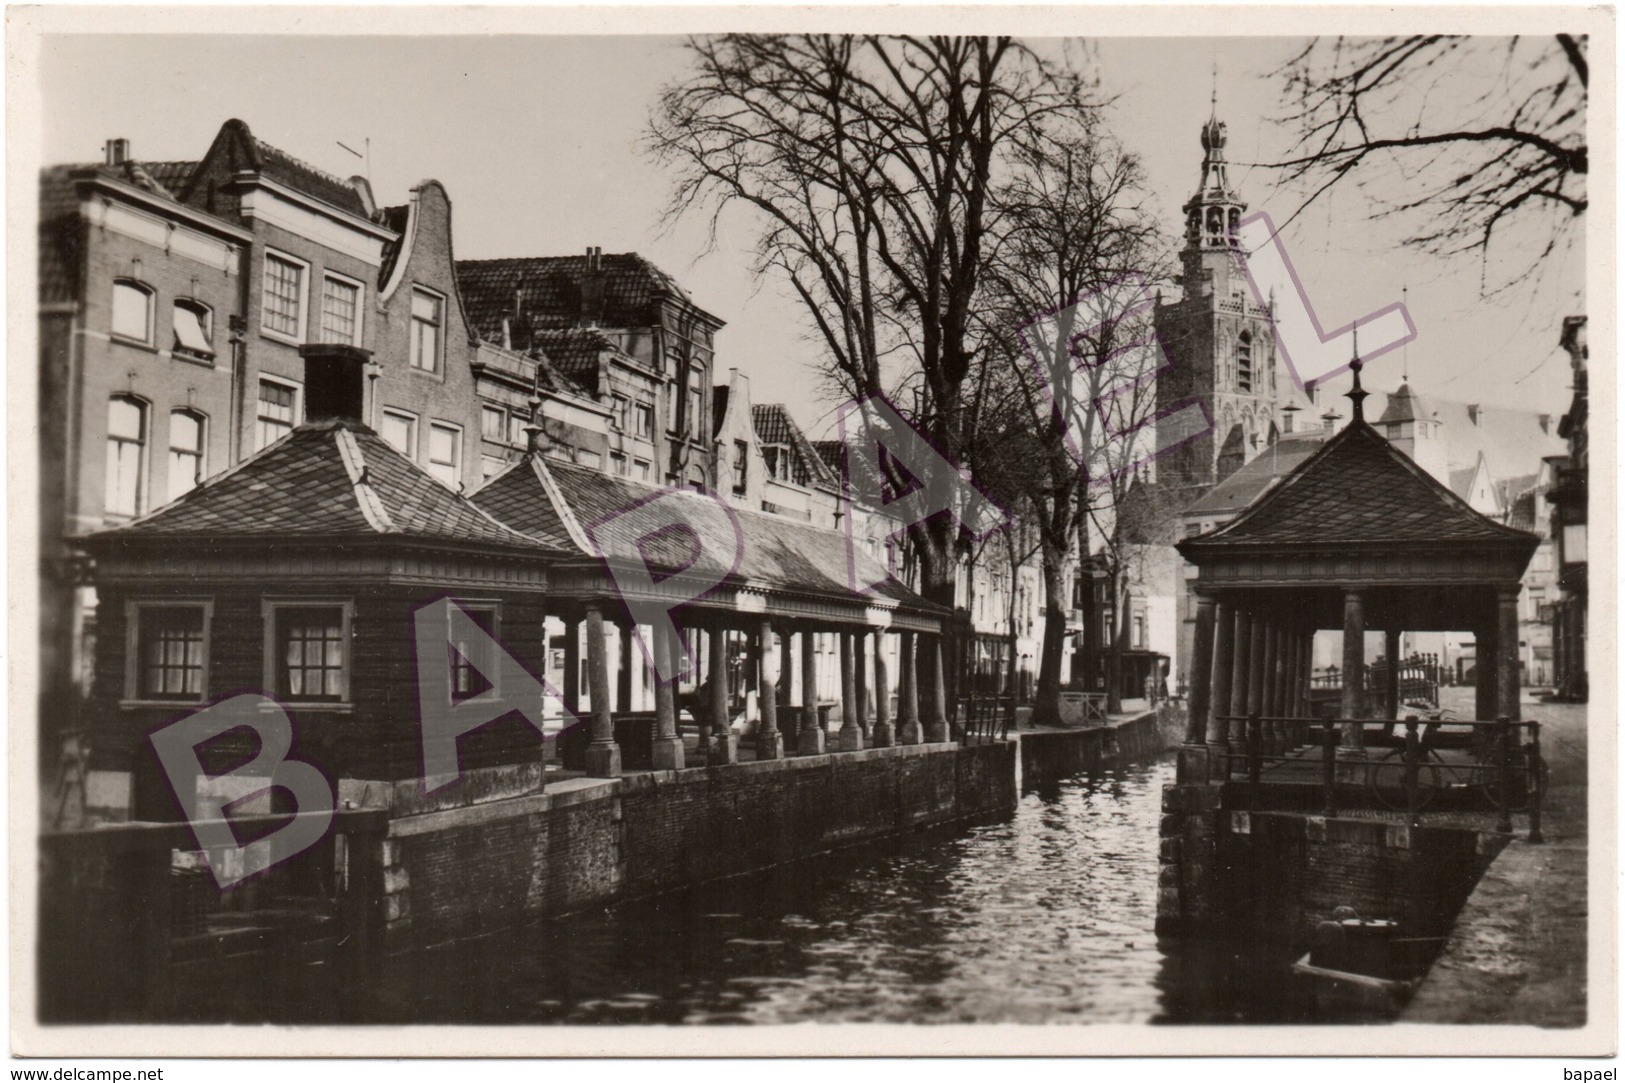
(471, 656)
(777, 457)
(696, 481)
(284, 305)
(278, 411)
(644, 417)
(341, 310)
(308, 651)
(493, 423)
(426, 316)
(491, 466)
(401, 431)
(641, 469)
(741, 464)
(589, 458)
(696, 403)
(186, 431)
(1244, 362)
(516, 431)
(132, 311)
(170, 651)
(619, 405)
(126, 455)
(445, 452)
(194, 329)
(617, 463)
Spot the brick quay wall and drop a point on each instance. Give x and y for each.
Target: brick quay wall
(589, 843)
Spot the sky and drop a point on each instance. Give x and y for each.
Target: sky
(537, 140)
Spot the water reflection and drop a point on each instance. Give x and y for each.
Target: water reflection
(1044, 916)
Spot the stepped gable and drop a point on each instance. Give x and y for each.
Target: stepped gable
(559, 503)
(327, 479)
(548, 290)
(1358, 489)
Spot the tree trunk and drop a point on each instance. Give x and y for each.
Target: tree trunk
(1047, 704)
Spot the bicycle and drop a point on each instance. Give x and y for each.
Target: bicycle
(1435, 774)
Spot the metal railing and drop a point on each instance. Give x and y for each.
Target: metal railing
(986, 718)
(1402, 773)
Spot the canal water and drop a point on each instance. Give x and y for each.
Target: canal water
(1044, 916)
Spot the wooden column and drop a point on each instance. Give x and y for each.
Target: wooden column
(724, 742)
(1390, 646)
(1238, 681)
(769, 741)
(668, 746)
(936, 711)
(1257, 644)
(572, 665)
(1353, 667)
(884, 735)
(1224, 657)
(810, 741)
(908, 693)
(1506, 655)
(860, 674)
(1274, 640)
(850, 739)
(623, 675)
(1201, 671)
(603, 754)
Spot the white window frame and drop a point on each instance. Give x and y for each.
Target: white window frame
(641, 409)
(132, 647)
(488, 410)
(429, 462)
(360, 303)
(143, 459)
(440, 332)
(298, 390)
(202, 449)
(298, 337)
(404, 415)
(473, 606)
(151, 295)
(205, 316)
(269, 607)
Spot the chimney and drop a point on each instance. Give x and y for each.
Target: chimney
(592, 290)
(117, 151)
(335, 381)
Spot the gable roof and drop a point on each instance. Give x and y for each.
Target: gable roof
(1357, 489)
(558, 503)
(774, 425)
(327, 479)
(243, 150)
(544, 292)
(1241, 488)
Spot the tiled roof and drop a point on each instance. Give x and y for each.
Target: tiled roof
(1241, 488)
(301, 176)
(1405, 405)
(326, 479)
(774, 425)
(777, 553)
(549, 291)
(1513, 441)
(171, 175)
(1461, 480)
(1357, 488)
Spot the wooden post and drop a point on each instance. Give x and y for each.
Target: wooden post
(1391, 693)
(810, 741)
(1353, 668)
(1257, 644)
(908, 690)
(623, 674)
(1507, 659)
(850, 739)
(603, 754)
(860, 671)
(1224, 653)
(884, 735)
(724, 742)
(769, 741)
(1201, 671)
(1238, 679)
(1535, 783)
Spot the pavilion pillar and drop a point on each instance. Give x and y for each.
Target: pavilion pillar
(1390, 647)
(810, 741)
(1201, 671)
(1238, 681)
(1486, 700)
(1353, 668)
(908, 693)
(769, 741)
(724, 742)
(623, 672)
(850, 739)
(1306, 674)
(1507, 668)
(1224, 654)
(603, 754)
(860, 672)
(1257, 646)
(1274, 655)
(667, 753)
(1289, 661)
(572, 664)
(936, 711)
(884, 735)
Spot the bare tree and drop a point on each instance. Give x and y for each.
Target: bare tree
(1485, 132)
(870, 163)
(1070, 322)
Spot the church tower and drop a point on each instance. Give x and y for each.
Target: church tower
(1218, 340)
